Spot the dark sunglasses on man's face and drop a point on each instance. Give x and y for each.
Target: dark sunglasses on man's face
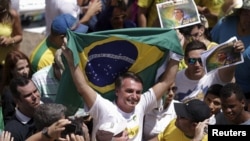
(192, 61)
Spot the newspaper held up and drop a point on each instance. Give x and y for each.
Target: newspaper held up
(221, 56)
(175, 14)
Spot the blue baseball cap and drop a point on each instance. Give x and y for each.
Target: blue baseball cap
(66, 21)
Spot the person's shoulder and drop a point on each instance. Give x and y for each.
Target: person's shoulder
(172, 123)
(171, 128)
(17, 129)
(44, 70)
(181, 72)
(41, 47)
(221, 119)
(13, 124)
(228, 20)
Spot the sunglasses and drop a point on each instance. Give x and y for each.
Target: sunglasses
(192, 61)
(173, 89)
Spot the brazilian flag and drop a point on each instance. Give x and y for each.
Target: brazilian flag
(103, 56)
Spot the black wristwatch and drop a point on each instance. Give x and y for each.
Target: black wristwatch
(45, 132)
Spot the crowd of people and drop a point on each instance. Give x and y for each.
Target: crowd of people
(181, 104)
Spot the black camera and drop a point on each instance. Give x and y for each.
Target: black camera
(74, 127)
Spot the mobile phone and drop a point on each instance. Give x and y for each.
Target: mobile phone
(70, 128)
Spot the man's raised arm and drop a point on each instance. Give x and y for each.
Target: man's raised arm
(167, 79)
(86, 92)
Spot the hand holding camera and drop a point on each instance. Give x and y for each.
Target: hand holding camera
(75, 127)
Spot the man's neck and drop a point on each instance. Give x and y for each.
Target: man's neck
(189, 136)
(22, 116)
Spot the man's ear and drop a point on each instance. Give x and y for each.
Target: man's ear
(16, 100)
(117, 91)
(194, 123)
(62, 36)
(202, 30)
(243, 103)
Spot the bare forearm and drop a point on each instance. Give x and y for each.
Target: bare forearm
(141, 16)
(17, 39)
(227, 74)
(167, 79)
(86, 92)
(85, 18)
(38, 137)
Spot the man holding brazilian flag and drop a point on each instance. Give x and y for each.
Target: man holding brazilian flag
(105, 55)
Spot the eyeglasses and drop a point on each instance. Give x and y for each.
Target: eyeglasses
(173, 89)
(192, 61)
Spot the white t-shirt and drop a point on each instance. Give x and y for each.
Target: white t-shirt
(157, 120)
(104, 110)
(188, 89)
(54, 8)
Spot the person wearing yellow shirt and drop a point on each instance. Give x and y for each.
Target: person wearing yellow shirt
(211, 9)
(190, 125)
(147, 13)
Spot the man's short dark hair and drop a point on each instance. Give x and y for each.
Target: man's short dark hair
(18, 82)
(230, 89)
(179, 9)
(131, 75)
(194, 45)
(48, 113)
(214, 90)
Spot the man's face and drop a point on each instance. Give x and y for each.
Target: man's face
(178, 14)
(244, 19)
(29, 98)
(232, 108)
(213, 102)
(58, 41)
(170, 94)
(195, 69)
(183, 124)
(117, 19)
(128, 96)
